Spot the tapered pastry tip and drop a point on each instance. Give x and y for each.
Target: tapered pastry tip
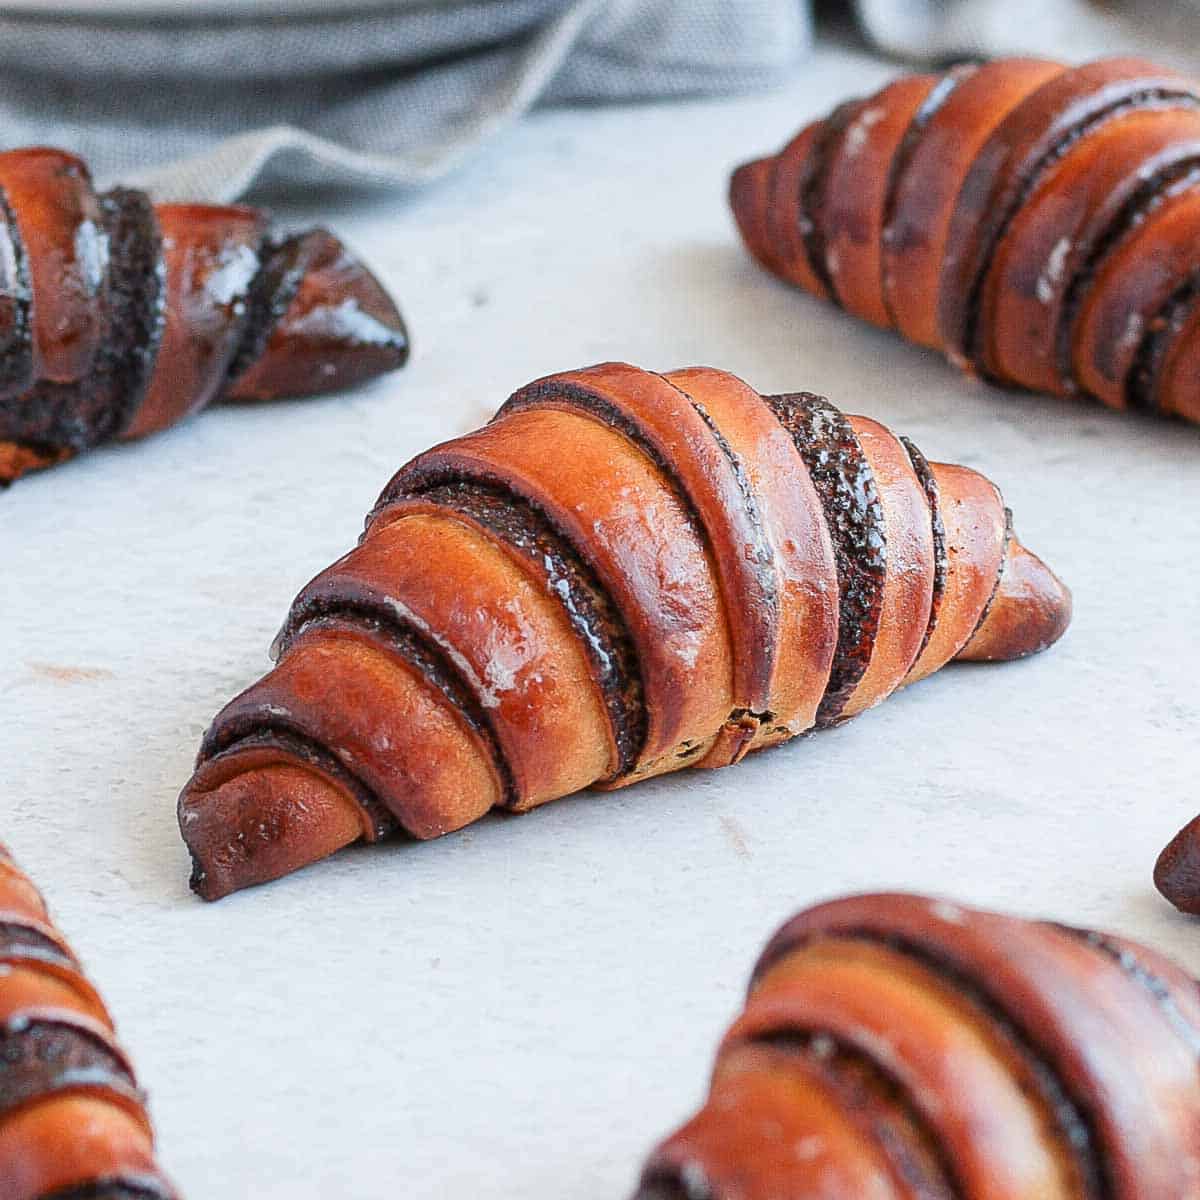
(328, 324)
(252, 817)
(748, 198)
(1030, 611)
(1177, 872)
(17, 459)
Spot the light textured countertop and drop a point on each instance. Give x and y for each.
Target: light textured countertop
(520, 1010)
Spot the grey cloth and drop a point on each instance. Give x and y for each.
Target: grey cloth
(1167, 31)
(208, 100)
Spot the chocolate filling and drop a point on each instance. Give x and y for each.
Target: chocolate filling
(39, 1058)
(1075, 1120)
(113, 1189)
(19, 943)
(282, 268)
(1029, 176)
(16, 313)
(136, 297)
(846, 487)
(1141, 385)
(73, 416)
(763, 555)
(284, 265)
(252, 733)
(872, 1099)
(589, 608)
(416, 648)
(812, 192)
(1164, 184)
(929, 108)
(941, 560)
(49, 418)
(878, 1102)
(665, 1184)
(550, 392)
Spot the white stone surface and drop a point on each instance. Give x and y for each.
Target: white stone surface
(520, 1010)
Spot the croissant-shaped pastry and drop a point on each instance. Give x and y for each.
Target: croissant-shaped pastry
(73, 1123)
(119, 318)
(1038, 223)
(623, 574)
(1177, 871)
(896, 1047)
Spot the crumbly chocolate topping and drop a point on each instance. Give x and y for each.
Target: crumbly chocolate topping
(848, 493)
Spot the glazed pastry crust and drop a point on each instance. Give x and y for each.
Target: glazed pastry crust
(119, 318)
(623, 574)
(73, 1121)
(898, 1046)
(1035, 222)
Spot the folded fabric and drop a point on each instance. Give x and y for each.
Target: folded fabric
(210, 98)
(207, 99)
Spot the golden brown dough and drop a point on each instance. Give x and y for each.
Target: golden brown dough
(898, 1047)
(119, 318)
(73, 1122)
(623, 574)
(1037, 223)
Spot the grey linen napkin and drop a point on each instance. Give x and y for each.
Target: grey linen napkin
(208, 100)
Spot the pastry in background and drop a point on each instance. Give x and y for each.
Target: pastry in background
(73, 1122)
(894, 1046)
(623, 574)
(1177, 872)
(119, 318)
(1037, 223)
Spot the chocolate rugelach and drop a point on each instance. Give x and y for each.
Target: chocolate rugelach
(1037, 223)
(119, 318)
(73, 1122)
(1177, 871)
(900, 1047)
(623, 574)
